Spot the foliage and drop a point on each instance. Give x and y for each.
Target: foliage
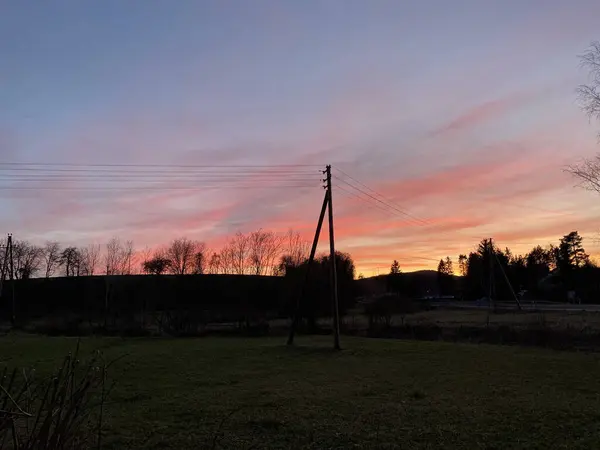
(56, 413)
(316, 293)
(395, 269)
(570, 253)
(157, 265)
(382, 308)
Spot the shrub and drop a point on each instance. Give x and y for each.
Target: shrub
(58, 413)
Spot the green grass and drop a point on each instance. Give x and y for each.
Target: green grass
(173, 394)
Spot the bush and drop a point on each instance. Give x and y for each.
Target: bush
(58, 413)
(382, 308)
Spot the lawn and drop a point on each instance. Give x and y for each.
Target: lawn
(175, 394)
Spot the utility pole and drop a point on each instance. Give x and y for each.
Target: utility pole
(327, 205)
(4, 267)
(313, 250)
(491, 286)
(334, 287)
(9, 252)
(515, 296)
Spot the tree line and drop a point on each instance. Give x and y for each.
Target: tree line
(259, 252)
(489, 268)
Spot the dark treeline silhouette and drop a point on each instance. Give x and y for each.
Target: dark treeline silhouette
(184, 287)
(549, 273)
(258, 277)
(562, 272)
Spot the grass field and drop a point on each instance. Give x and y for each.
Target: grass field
(173, 394)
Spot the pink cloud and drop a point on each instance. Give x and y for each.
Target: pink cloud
(484, 112)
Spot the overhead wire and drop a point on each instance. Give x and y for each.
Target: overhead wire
(381, 198)
(52, 164)
(370, 203)
(412, 218)
(59, 176)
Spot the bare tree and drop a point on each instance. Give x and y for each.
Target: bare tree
(27, 259)
(226, 259)
(142, 256)
(296, 248)
(90, 258)
(235, 255)
(199, 261)
(181, 255)
(51, 255)
(264, 248)
(126, 257)
(115, 258)
(214, 263)
(588, 171)
(295, 252)
(589, 94)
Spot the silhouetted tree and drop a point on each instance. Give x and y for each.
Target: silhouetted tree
(462, 264)
(156, 265)
(394, 279)
(295, 248)
(589, 94)
(113, 257)
(263, 248)
(90, 258)
(126, 258)
(199, 263)
(539, 262)
(181, 255)
(445, 273)
(70, 260)
(588, 171)
(317, 293)
(214, 264)
(27, 259)
(235, 255)
(51, 254)
(571, 254)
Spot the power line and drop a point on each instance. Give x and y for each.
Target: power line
(404, 213)
(151, 188)
(424, 222)
(368, 201)
(51, 164)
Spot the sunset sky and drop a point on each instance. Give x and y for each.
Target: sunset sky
(461, 113)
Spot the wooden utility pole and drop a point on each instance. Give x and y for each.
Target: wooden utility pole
(327, 205)
(313, 250)
(514, 294)
(334, 286)
(4, 268)
(491, 255)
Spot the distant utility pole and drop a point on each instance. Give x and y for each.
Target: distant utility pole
(491, 255)
(327, 204)
(7, 264)
(514, 294)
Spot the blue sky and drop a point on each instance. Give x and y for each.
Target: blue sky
(401, 95)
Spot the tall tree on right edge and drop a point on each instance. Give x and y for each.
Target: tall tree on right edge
(588, 171)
